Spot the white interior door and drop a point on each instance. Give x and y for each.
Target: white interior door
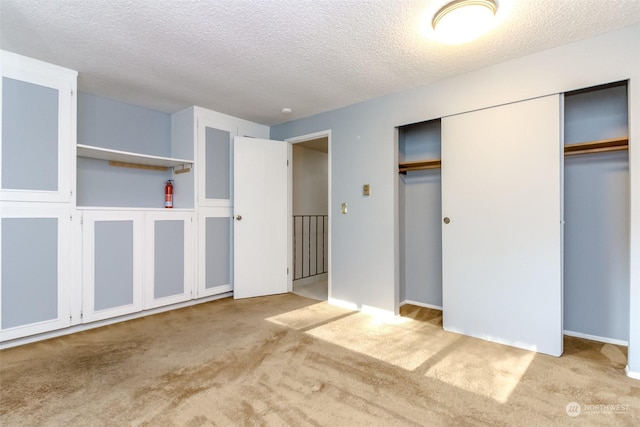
(502, 242)
(260, 212)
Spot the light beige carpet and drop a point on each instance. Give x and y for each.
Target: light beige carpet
(289, 360)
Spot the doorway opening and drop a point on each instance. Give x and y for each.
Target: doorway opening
(309, 216)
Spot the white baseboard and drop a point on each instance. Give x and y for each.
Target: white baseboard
(631, 374)
(596, 338)
(420, 304)
(86, 326)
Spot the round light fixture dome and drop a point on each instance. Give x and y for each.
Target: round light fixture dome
(464, 20)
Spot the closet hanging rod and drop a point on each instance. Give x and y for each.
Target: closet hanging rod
(137, 165)
(417, 166)
(602, 146)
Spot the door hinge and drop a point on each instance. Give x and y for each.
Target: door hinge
(71, 218)
(287, 271)
(287, 162)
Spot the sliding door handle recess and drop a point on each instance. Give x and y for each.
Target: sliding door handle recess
(446, 220)
(239, 217)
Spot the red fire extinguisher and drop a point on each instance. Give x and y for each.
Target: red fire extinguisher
(168, 194)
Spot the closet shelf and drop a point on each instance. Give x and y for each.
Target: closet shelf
(602, 146)
(135, 160)
(417, 166)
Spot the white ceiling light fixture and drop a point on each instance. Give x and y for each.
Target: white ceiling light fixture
(461, 21)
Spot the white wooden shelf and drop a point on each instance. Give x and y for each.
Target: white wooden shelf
(130, 209)
(126, 157)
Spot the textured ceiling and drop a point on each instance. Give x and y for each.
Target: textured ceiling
(251, 58)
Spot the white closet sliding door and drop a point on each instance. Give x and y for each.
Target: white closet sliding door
(502, 231)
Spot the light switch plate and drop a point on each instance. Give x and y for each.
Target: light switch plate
(365, 189)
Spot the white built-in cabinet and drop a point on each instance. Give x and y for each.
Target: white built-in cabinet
(83, 231)
(38, 124)
(214, 145)
(36, 196)
(211, 136)
(135, 260)
(36, 272)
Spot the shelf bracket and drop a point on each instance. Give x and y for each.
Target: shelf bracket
(183, 169)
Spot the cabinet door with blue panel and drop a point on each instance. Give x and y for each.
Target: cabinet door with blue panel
(169, 258)
(215, 261)
(35, 270)
(113, 260)
(38, 130)
(214, 142)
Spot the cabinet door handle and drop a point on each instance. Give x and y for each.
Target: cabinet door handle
(446, 220)
(239, 217)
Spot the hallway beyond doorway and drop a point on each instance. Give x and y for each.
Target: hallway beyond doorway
(317, 290)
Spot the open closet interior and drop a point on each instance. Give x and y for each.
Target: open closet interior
(596, 212)
(420, 207)
(595, 274)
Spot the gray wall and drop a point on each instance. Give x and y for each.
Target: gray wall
(362, 271)
(112, 124)
(310, 181)
(365, 265)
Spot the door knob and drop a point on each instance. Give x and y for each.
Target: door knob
(239, 217)
(446, 220)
